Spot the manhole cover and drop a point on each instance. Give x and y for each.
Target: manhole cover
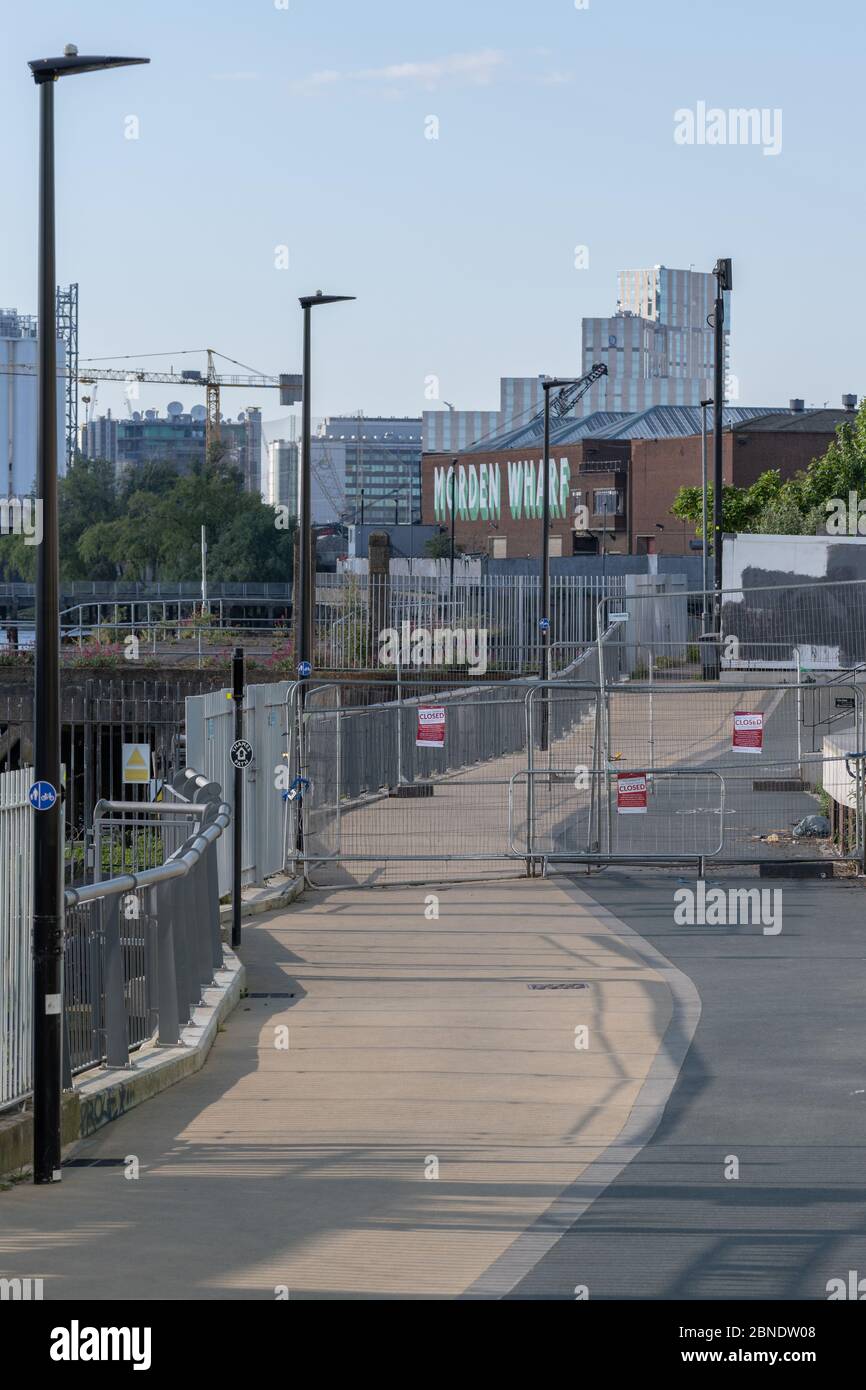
(564, 985)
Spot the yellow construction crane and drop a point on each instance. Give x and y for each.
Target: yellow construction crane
(289, 385)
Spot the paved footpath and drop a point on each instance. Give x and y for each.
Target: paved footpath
(377, 1046)
(775, 1079)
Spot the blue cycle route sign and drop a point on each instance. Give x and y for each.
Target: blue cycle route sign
(305, 670)
(43, 796)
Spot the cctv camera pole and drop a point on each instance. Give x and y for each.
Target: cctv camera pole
(238, 814)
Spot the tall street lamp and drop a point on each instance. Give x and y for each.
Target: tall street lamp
(553, 383)
(705, 578)
(302, 612)
(48, 924)
(722, 272)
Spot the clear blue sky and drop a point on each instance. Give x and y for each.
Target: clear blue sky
(262, 126)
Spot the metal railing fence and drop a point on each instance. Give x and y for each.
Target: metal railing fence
(141, 945)
(16, 914)
(506, 785)
(352, 611)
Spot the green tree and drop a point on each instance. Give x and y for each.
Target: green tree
(439, 547)
(798, 506)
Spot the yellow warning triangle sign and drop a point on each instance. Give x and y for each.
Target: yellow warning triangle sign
(135, 768)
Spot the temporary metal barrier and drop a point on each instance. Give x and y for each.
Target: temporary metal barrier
(557, 814)
(140, 946)
(209, 737)
(675, 735)
(506, 786)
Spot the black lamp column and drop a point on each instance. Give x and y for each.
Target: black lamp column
(48, 916)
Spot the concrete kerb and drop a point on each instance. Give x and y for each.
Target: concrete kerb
(255, 902)
(101, 1096)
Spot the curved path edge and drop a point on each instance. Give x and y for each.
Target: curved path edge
(523, 1255)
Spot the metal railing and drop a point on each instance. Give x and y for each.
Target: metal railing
(529, 771)
(16, 913)
(141, 945)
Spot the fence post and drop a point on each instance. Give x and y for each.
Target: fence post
(181, 950)
(116, 1028)
(238, 810)
(212, 899)
(201, 923)
(166, 964)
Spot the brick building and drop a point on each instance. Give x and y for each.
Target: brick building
(625, 469)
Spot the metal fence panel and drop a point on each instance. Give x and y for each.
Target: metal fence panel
(210, 735)
(507, 785)
(16, 926)
(139, 947)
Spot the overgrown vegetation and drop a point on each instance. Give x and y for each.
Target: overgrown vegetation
(797, 507)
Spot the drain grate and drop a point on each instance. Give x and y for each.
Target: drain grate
(779, 784)
(270, 996)
(559, 985)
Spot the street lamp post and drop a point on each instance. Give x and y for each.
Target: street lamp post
(722, 272)
(452, 493)
(302, 598)
(548, 384)
(48, 918)
(705, 578)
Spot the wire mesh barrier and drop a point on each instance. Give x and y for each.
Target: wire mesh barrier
(141, 942)
(559, 814)
(523, 772)
(210, 733)
(764, 743)
(370, 801)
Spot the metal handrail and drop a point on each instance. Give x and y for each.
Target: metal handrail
(194, 844)
(177, 865)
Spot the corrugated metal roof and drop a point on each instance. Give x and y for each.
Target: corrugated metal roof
(561, 431)
(656, 422)
(818, 421)
(679, 421)
(662, 422)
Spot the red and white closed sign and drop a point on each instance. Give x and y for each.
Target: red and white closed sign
(631, 793)
(748, 732)
(431, 726)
